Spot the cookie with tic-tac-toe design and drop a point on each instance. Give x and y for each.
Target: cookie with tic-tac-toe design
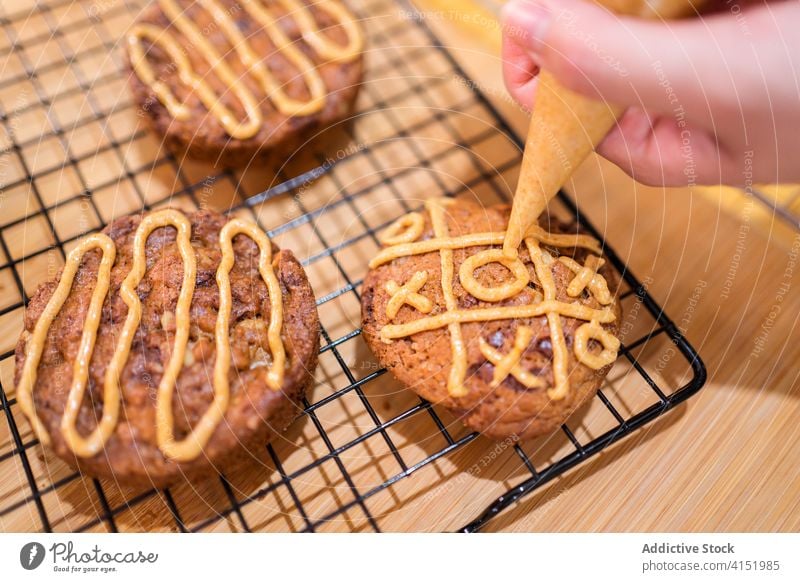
(512, 345)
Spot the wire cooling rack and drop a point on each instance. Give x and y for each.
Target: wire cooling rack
(76, 154)
(785, 203)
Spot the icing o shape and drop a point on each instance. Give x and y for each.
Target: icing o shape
(509, 364)
(405, 229)
(193, 444)
(254, 62)
(466, 274)
(408, 293)
(594, 331)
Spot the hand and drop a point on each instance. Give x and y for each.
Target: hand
(714, 99)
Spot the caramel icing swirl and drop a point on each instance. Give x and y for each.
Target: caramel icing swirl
(192, 445)
(252, 61)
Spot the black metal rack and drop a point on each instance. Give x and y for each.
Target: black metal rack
(400, 63)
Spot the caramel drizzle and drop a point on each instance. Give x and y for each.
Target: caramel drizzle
(408, 293)
(35, 345)
(405, 231)
(586, 277)
(541, 264)
(466, 275)
(593, 330)
(288, 106)
(396, 251)
(394, 331)
(458, 369)
(193, 444)
(509, 364)
(226, 236)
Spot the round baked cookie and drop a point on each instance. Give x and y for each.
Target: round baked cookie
(232, 82)
(511, 346)
(229, 398)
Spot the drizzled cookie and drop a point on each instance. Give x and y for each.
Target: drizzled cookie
(232, 81)
(169, 344)
(512, 345)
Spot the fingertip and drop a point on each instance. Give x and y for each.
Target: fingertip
(525, 23)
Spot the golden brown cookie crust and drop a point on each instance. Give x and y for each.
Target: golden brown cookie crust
(422, 361)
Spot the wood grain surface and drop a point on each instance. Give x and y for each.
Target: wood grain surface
(726, 460)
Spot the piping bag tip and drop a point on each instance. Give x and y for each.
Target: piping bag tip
(565, 128)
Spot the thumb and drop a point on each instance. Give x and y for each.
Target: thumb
(625, 60)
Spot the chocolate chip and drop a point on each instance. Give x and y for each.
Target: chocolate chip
(497, 339)
(545, 347)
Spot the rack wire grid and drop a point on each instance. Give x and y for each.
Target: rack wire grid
(76, 154)
(783, 202)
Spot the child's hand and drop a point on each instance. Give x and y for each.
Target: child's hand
(712, 99)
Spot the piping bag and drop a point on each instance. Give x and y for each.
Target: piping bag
(565, 128)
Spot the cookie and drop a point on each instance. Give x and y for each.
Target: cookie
(234, 82)
(512, 346)
(169, 345)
